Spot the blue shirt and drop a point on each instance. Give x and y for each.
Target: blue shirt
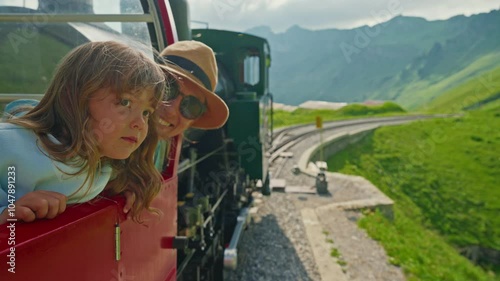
(34, 170)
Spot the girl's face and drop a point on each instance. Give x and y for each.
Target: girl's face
(120, 122)
(171, 121)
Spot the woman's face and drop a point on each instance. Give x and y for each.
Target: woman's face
(120, 122)
(171, 120)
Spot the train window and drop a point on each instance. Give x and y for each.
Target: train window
(35, 41)
(225, 86)
(251, 70)
(76, 6)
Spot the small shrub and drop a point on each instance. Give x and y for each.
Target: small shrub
(476, 138)
(334, 253)
(341, 262)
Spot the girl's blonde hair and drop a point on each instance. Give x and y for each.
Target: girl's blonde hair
(63, 113)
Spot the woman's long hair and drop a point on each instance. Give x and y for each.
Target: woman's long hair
(63, 113)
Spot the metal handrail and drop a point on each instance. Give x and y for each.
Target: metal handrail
(50, 18)
(10, 97)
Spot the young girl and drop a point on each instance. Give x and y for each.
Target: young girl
(92, 122)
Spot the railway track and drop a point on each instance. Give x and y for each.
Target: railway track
(286, 138)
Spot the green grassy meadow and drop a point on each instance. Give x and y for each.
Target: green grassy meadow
(443, 176)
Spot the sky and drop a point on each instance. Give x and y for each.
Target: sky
(240, 15)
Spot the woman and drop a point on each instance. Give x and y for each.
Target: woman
(191, 102)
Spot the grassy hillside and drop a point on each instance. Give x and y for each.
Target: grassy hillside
(443, 176)
(304, 116)
(474, 91)
(26, 68)
(422, 93)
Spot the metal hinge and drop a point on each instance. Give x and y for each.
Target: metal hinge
(117, 242)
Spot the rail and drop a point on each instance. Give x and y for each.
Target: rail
(289, 142)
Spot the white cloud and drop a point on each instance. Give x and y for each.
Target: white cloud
(240, 15)
(276, 4)
(253, 6)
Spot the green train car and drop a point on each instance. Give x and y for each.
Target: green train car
(228, 164)
(244, 62)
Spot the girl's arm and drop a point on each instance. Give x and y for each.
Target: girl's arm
(35, 205)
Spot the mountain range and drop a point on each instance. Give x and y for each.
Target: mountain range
(408, 60)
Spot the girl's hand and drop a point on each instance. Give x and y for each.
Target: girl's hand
(40, 204)
(129, 201)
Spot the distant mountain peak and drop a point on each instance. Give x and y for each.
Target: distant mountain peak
(406, 19)
(296, 28)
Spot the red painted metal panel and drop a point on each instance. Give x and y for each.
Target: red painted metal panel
(81, 241)
(142, 255)
(80, 244)
(143, 258)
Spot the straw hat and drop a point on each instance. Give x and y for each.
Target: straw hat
(195, 61)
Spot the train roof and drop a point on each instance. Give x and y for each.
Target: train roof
(216, 37)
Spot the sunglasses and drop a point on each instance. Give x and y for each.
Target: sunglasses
(190, 107)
